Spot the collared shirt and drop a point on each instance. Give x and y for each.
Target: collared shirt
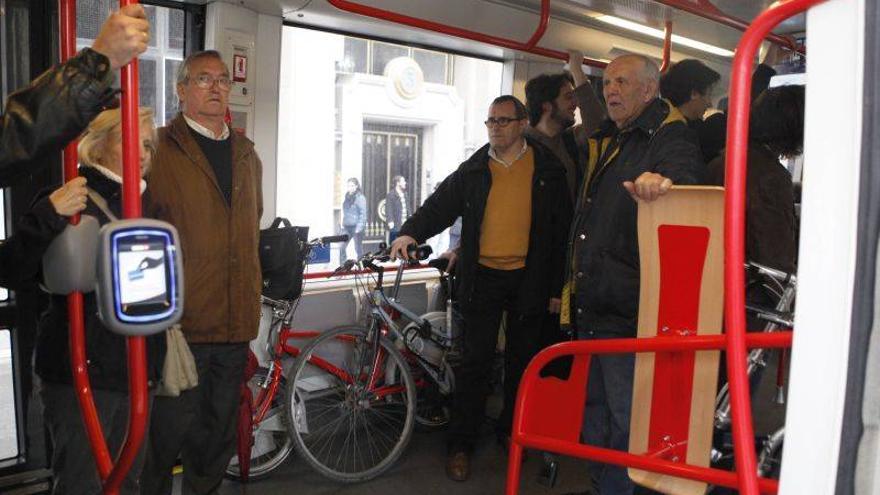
(204, 131)
(519, 155)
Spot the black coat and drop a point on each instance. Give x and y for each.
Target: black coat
(52, 110)
(604, 241)
(464, 194)
(394, 209)
(771, 227)
(21, 266)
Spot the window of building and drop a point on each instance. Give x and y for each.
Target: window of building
(371, 57)
(351, 116)
(158, 65)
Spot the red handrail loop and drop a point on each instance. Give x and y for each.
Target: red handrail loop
(111, 475)
(528, 47)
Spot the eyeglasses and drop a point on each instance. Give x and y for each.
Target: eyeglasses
(206, 81)
(501, 121)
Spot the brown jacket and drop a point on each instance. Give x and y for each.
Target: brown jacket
(219, 243)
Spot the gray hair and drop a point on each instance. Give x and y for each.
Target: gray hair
(650, 71)
(183, 70)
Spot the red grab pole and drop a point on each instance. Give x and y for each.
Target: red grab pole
(667, 46)
(131, 208)
(76, 324)
(706, 10)
(734, 233)
(529, 46)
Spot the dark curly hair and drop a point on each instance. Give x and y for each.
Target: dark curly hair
(777, 120)
(682, 79)
(542, 89)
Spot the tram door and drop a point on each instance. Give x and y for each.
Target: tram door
(389, 151)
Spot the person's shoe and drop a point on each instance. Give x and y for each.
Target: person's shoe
(458, 466)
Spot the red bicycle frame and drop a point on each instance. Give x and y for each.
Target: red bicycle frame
(111, 475)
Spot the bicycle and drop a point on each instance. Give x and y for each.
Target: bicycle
(273, 441)
(782, 288)
(361, 390)
(272, 444)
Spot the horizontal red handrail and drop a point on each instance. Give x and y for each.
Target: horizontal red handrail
(529, 47)
(734, 233)
(706, 10)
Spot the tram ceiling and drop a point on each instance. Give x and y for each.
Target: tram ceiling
(517, 19)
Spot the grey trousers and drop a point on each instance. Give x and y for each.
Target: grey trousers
(73, 465)
(200, 425)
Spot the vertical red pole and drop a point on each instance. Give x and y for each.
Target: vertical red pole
(734, 234)
(76, 323)
(131, 208)
(667, 46)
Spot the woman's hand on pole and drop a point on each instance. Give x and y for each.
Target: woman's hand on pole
(71, 198)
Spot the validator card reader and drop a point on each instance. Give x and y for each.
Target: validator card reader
(139, 276)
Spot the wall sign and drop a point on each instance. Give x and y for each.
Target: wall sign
(238, 52)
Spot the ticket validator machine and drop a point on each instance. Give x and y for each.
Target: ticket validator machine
(139, 282)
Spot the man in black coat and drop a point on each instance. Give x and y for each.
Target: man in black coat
(635, 156)
(514, 203)
(396, 207)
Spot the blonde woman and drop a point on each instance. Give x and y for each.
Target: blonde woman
(100, 151)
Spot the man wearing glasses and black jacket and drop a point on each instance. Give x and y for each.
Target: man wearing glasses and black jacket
(516, 210)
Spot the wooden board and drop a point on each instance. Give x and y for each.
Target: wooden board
(681, 250)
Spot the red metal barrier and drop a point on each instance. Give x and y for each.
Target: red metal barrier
(112, 476)
(529, 47)
(566, 397)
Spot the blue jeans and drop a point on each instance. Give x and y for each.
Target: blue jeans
(607, 416)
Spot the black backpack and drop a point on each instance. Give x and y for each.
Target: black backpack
(282, 257)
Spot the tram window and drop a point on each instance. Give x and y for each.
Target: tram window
(158, 64)
(343, 115)
(8, 427)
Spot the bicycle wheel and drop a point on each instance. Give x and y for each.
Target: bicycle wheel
(272, 443)
(350, 423)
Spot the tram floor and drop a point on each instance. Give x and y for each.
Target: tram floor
(421, 468)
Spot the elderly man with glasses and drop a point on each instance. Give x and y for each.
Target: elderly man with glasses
(207, 182)
(515, 206)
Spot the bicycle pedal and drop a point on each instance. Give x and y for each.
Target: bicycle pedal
(547, 476)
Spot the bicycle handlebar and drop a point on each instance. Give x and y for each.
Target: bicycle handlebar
(332, 239)
(778, 275)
